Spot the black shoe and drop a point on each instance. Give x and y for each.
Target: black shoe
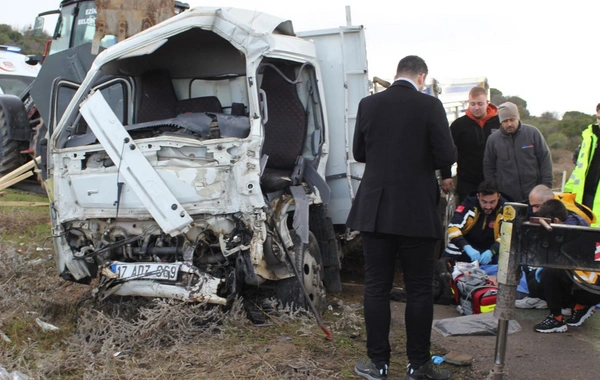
(579, 316)
(367, 369)
(427, 371)
(550, 325)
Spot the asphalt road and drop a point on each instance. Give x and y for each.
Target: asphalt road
(530, 355)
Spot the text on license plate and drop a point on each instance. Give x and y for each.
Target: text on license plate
(156, 271)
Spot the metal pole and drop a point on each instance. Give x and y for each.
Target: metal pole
(348, 16)
(508, 279)
(500, 355)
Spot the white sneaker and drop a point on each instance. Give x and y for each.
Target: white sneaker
(531, 303)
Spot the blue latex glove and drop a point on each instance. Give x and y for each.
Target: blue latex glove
(486, 257)
(538, 274)
(472, 252)
(437, 360)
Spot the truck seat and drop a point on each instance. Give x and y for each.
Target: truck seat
(158, 97)
(285, 130)
(200, 104)
(159, 100)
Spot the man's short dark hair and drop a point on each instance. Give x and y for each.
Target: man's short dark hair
(488, 187)
(598, 107)
(411, 66)
(553, 208)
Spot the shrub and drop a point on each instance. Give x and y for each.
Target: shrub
(558, 140)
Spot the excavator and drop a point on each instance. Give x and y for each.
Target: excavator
(83, 28)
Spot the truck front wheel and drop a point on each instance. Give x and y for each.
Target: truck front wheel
(307, 259)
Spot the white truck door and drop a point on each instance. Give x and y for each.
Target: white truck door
(342, 56)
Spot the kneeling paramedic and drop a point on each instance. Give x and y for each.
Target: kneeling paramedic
(474, 231)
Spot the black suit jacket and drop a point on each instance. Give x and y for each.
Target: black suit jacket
(403, 137)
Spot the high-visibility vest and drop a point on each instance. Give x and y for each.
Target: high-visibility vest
(568, 199)
(576, 182)
(587, 276)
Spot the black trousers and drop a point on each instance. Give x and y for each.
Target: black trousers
(560, 291)
(417, 260)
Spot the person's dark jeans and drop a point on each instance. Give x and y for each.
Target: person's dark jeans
(535, 288)
(560, 291)
(417, 262)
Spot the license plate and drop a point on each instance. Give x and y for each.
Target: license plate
(146, 271)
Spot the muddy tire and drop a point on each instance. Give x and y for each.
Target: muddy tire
(322, 227)
(10, 151)
(447, 208)
(307, 259)
(40, 134)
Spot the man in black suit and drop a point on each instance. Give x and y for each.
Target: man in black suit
(403, 137)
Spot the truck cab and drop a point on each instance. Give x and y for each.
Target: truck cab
(192, 161)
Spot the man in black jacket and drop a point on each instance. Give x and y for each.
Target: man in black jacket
(470, 133)
(402, 136)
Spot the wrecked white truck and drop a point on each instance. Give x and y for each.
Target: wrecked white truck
(199, 155)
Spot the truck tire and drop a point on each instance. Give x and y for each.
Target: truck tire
(448, 213)
(10, 151)
(307, 259)
(322, 227)
(447, 208)
(39, 135)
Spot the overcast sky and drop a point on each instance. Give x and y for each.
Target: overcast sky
(544, 52)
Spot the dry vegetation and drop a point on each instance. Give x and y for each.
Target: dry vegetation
(127, 338)
(562, 162)
(139, 338)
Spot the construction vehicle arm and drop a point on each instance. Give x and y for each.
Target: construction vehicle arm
(124, 18)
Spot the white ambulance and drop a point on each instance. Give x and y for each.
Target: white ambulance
(17, 71)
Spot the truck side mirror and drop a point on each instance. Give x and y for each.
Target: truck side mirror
(38, 27)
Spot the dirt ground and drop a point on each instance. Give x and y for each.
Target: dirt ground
(129, 338)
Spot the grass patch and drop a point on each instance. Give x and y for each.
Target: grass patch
(23, 226)
(12, 195)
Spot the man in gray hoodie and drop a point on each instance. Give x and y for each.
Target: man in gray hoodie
(517, 156)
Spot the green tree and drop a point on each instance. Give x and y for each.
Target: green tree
(558, 140)
(29, 44)
(574, 122)
(498, 98)
(549, 116)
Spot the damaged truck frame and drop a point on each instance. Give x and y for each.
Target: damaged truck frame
(194, 160)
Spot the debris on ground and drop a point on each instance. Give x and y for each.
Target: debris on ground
(458, 358)
(46, 326)
(474, 324)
